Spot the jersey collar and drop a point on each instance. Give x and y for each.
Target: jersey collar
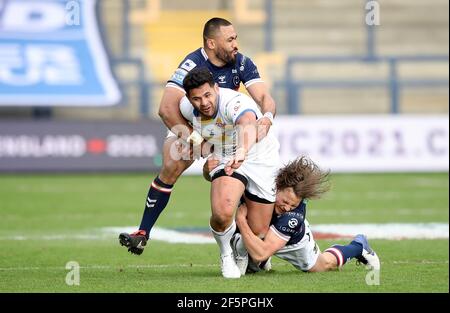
(204, 53)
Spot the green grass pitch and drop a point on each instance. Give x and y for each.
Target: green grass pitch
(44, 209)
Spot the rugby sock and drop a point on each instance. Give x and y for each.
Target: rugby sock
(345, 253)
(223, 238)
(157, 198)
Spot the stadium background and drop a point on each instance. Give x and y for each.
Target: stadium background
(366, 98)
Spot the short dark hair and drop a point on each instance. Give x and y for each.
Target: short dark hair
(305, 177)
(197, 77)
(212, 26)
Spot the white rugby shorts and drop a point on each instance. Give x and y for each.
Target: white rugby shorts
(260, 175)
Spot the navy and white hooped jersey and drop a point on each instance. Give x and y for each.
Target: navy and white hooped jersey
(290, 226)
(228, 76)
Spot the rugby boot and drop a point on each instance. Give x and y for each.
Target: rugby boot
(135, 242)
(368, 256)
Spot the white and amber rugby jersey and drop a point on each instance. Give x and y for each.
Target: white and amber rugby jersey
(220, 130)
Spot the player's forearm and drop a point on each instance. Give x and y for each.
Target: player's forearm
(256, 247)
(267, 104)
(247, 132)
(171, 116)
(249, 138)
(262, 97)
(169, 112)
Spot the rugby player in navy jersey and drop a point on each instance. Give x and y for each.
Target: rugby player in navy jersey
(290, 237)
(229, 68)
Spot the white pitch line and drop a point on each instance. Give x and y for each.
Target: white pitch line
(393, 231)
(170, 266)
(390, 231)
(107, 267)
(420, 262)
(163, 234)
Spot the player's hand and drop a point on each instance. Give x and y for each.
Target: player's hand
(206, 148)
(195, 138)
(264, 124)
(241, 213)
(184, 149)
(197, 146)
(236, 161)
(210, 164)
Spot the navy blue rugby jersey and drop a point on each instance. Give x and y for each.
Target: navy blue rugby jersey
(229, 76)
(290, 226)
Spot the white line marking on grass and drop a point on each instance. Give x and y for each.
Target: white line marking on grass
(108, 267)
(168, 235)
(112, 233)
(391, 231)
(184, 265)
(429, 182)
(420, 262)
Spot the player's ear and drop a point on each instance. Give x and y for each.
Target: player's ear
(210, 43)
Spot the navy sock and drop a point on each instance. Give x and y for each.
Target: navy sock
(157, 199)
(345, 253)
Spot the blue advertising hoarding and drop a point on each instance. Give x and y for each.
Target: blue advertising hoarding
(51, 54)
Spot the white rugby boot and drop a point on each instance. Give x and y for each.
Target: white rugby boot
(229, 267)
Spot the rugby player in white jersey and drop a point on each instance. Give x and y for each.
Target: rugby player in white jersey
(227, 120)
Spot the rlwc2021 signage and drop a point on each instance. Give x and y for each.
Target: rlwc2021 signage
(368, 143)
(364, 143)
(391, 143)
(51, 54)
(31, 146)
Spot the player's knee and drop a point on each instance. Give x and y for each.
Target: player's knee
(171, 170)
(328, 265)
(223, 218)
(325, 263)
(222, 214)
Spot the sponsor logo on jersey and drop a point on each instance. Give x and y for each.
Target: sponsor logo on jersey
(208, 131)
(236, 80)
(179, 76)
(293, 222)
(221, 79)
(287, 230)
(242, 68)
(188, 65)
(220, 123)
